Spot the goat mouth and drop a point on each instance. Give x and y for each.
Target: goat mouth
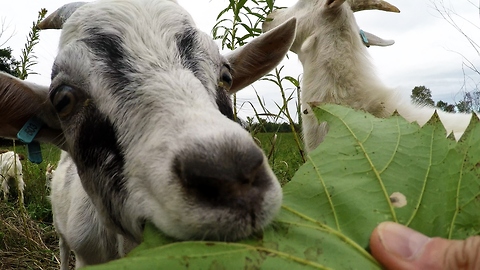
(143, 224)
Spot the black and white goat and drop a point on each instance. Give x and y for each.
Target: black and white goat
(139, 101)
(337, 67)
(11, 170)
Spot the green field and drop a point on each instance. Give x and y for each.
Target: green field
(36, 195)
(285, 158)
(27, 237)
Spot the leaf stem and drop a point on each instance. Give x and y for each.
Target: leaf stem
(424, 187)
(330, 230)
(375, 171)
(327, 194)
(395, 150)
(243, 247)
(457, 199)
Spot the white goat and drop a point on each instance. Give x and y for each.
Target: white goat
(11, 170)
(136, 81)
(49, 171)
(337, 68)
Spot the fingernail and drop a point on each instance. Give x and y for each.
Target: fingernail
(402, 241)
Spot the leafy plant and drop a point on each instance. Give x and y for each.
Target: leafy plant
(367, 170)
(238, 23)
(241, 21)
(27, 59)
(278, 80)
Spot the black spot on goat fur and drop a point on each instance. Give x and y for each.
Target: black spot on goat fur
(224, 103)
(191, 57)
(108, 49)
(99, 156)
(186, 43)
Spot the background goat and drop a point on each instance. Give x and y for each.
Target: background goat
(337, 67)
(139, 102)
(11, 170)
(49, 171)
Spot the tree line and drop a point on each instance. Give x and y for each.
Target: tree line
(470, 101)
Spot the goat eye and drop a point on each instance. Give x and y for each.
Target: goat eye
(226, 79)
(63, 100)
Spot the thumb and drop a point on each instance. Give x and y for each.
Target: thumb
(398, 247)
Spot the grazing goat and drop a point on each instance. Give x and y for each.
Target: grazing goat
(139, 102)
(11, 170)
(337, 68)
(49, 171)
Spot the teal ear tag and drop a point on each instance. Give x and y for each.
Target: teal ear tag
(27, 134)
(364, 38)
(30, 130)
(34, 152)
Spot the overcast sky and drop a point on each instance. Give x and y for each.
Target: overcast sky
(428, 50)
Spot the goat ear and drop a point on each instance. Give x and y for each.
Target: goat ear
(60, 16)
(373, 40)
(334, 3)
(19, 102)
(252, 61)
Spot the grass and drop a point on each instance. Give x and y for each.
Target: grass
(27, 237)
(282, 152)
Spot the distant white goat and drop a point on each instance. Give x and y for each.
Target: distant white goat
(139, 102)
(11, 170)
(49, 171)
(337, 67)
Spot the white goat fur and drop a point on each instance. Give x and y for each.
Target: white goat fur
(337, 69)
(138, 103)
(11, 170)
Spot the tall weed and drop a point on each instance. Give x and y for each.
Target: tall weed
(236, 25)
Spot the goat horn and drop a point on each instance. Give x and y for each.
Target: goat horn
(60, 16)
(358, 5)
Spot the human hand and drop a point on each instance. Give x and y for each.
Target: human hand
(398, 247)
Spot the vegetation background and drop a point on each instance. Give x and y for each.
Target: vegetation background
(27, 236)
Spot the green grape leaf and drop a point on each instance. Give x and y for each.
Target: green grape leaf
(366, 171)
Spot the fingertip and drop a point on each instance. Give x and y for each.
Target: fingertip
(396, 246)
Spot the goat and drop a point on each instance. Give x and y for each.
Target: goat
(49, 171)
(337, 68)
(11, 170)
(134, 81)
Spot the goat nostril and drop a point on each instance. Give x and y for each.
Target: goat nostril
(252, 164)
(224, 177)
